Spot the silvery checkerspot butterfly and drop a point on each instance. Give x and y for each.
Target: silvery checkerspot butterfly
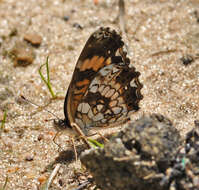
(104, 88)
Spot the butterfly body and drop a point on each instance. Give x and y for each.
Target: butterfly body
(103, 89)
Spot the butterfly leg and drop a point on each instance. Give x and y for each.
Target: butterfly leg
(54, 140)
(80, 133)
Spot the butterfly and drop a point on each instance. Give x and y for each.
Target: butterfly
(104, 88)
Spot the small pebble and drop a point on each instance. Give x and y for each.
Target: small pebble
(73, 11)
(42, 179)
(196, 15)
(78, 26)
(66, 18)
(29, 158)
(60, 182)
(22, 54)
(187, 59)
(33, 38)
(70, 47)
(40, 137)
(13, 32)
(196, 122)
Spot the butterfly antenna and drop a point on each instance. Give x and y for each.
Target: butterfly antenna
(34, 104)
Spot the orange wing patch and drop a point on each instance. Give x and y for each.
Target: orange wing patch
(83, 83)
(95, 63)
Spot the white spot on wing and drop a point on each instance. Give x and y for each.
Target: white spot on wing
(115, 69)
(133, 83)
(113, 103)
(101, 88)
(105, 90)
(108, 112)
(93, 89)
(117, 86)
(104, 120)
(124, 108)
(115, 96)
(116, 110)
(94, 85)
(79, 108)
(80, 123)
(84, 107)
(99, 107)
(110, 93)
(104, 71)
(120, 100)
(112, 120)
(98, 117)
(117, 53)
(90, 114)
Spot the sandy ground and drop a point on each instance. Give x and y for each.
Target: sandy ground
(159, 34)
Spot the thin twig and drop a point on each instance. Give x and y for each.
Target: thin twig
(122, 23)
(52, 176)
(5, 184)
(84, 184)
(74, 148)
(161, 52)
(121, 15)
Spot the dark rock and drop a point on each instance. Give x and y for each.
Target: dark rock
(196, 16)
(187, 59)
(66, 18)
(78, 26)
(13, 32)
(137, 157)
(184, 172)
(40, 137)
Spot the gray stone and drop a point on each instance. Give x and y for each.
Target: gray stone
(136, 157)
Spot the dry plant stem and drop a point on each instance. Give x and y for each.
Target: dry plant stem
(121, 17)
(80, 133)
(74, 148)
(82, 185)
(52, 176)
(103, 137)
(164, 52)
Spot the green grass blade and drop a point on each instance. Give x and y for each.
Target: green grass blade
(3, 121)
(47, 70)
(47, 82)
(95, 143)
(4, 185)
(41, 75)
